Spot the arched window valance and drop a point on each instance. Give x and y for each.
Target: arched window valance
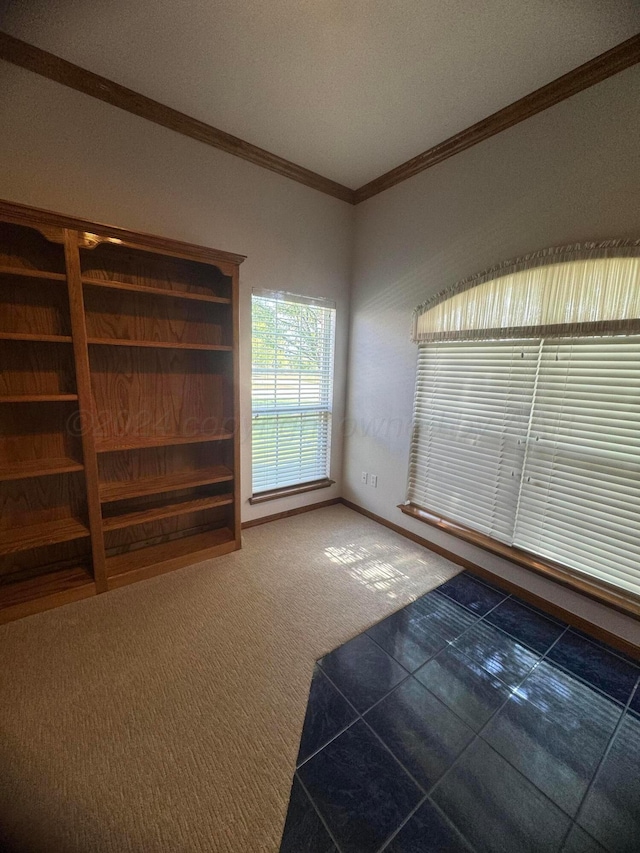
(591, 288)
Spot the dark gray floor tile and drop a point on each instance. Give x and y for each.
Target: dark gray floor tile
(360, 789)
(472, 594)
(530, 627)
(428, 832)
(464, 686)
(408, 638)
(611, 812)
(304, 832)
(500, 654)
(327, 714)
(362, 671)
(555, 730)
(595, 664)
(420, 731)
(498, 810)
(579, 842)
(438, 613)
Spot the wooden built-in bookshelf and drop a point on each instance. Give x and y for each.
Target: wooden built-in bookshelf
(119, 453)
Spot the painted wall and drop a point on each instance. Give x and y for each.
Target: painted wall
(569, 174)
(67, 152)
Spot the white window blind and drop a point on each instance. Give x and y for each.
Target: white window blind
(535, 443)
(580, 502)
(473, 402)
(292, 389)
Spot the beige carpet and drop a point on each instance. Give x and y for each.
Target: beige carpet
(166, 716)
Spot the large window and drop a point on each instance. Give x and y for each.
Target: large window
(526, 434)
(292, 389)
(535, 443)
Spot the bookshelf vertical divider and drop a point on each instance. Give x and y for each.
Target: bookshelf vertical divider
(119, 402)
(86, 407)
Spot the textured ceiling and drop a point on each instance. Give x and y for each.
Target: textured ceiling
(347, 88)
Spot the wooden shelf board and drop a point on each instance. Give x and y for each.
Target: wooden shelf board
(121, 490)
(27, 273)
(39, 468)
(19, 336)
(134, 442)
(168, 511)
(38, 535)
(41, 592)
(38, 398)
(156, 559)
(155, 291)
(121, 342)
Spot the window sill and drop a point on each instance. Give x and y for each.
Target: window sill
(288, 491)
(627, 604)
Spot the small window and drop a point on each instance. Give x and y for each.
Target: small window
(292, 390)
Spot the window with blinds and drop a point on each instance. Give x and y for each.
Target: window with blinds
(292, 389)
(535, 443)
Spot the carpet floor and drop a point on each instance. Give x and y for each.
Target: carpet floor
(166, 716)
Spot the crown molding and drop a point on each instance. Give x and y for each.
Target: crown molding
(32, 58)
(54, 68)
(620, 57)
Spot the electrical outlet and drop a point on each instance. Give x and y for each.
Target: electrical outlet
(373, 481)
(364, 477)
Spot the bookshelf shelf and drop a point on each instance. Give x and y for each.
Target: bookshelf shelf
(88, 502)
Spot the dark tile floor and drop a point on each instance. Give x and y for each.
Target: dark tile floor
(469, 721)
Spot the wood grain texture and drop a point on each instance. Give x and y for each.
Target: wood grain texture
(43, 592)
(605, 65)
(48, 65)
(276, 516)
(40, 501)
(114, 264)
(39, 468)
(133, 317)
(156, 396)
(37, 432)
(35, 368)
(26, 251)
(288, 491)
(232, 403)
(166, 382)
(116, 490)
(157, 559)
(165, 510)
(39, 535)
(87, 415)
(33, 306)
(156, 291)
(37, 218)
(29, 273)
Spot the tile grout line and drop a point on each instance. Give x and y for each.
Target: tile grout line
(427, 793)
(605, 755)
(478, 735)
(443, 816)
(317, 811)
(361, 718)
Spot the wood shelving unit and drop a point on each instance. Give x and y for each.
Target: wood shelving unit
(39, 468)
(117, 342)
(172, 482)
(157, 291)
(119, 457)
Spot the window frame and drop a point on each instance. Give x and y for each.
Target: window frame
(274, 493)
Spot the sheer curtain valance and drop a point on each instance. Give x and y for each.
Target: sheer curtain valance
(591, 288)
